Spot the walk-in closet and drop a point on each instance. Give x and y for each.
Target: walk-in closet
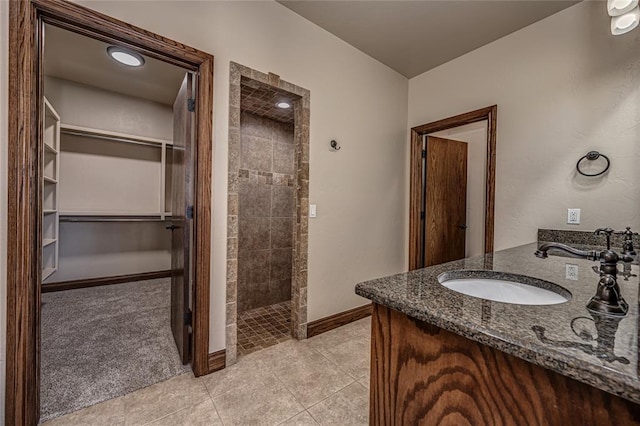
(108, 186)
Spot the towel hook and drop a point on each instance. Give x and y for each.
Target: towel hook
(334, 145)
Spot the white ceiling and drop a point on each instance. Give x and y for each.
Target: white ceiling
(74, 57)
(415, 36)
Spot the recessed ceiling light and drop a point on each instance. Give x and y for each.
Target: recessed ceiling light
(125, 57)
(283, 105)
(620, 7)
(624, 23)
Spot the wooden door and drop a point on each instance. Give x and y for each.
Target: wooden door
(182, 211)
(445, 200)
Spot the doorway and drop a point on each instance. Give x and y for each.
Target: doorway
(30, 200)
(267, 211)
(112, 250)
(452, 188)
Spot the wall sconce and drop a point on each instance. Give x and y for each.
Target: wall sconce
(625, 15)
(334, 145)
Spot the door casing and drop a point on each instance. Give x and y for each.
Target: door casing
(415, 176)
(26, 19)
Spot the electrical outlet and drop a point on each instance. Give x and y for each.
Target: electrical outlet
(312, 210)
(571, 272)
(573, 216)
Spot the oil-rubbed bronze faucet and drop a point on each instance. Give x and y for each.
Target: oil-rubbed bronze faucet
(606, 328)
(608, 298)
(627, 245)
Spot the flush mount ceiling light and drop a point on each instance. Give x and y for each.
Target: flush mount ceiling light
(624, 23)
(283, 105)
(125, 57)
(620, 7)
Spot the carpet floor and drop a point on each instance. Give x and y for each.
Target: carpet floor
(103, 342)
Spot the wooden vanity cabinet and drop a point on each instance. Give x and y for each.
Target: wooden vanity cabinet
(424, 375)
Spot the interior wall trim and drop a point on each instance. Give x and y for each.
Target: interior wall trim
(415, 175)
(216, 360)
(99, 281)
(26, 18)
(338, 320)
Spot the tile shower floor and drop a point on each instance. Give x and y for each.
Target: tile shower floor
(323, 380)
(264, 327)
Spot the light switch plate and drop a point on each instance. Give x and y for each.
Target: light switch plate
(571, 272)
(573, 216)
(312, 210)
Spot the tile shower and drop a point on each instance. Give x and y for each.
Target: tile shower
(253, 96)
(266, 217)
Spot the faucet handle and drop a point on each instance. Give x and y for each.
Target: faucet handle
(607, 232)
(626, 258)
(627, 245)
(628, 233)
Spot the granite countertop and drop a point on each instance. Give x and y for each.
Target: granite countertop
(561, 337)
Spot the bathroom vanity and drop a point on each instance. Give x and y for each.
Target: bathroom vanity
(443, 357)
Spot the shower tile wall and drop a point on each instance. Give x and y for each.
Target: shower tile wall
(267, 212)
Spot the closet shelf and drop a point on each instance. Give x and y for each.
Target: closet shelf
(50, 110)
(46, 273)
(110, 217)
(109, 213)
(50, 148)
(50, 165)
(93, 219)
(72, 129)
(48, 241)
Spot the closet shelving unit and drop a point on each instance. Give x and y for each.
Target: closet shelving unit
(50, 190)
(93, 141)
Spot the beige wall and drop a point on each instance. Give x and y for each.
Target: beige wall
(88, 106)
(89, 250)
(563, 86)
(475, 135)
(359, 232)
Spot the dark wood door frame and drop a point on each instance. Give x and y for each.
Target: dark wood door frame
(415, 175)
(26, 20)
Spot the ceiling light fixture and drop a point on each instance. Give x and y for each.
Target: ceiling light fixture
(622, 24)
(620, 7)
(283, 105)
(125, 57)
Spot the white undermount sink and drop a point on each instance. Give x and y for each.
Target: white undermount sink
(505, 288)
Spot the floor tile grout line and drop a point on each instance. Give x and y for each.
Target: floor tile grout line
(230, 390)
(334, 363)
(287, 388)
(171, 413)
(314, 419)
(354, 380)
(329, 396)
(295, 415)
(213, 402)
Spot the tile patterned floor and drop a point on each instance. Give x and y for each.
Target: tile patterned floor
(320, 381)
(264, 327)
